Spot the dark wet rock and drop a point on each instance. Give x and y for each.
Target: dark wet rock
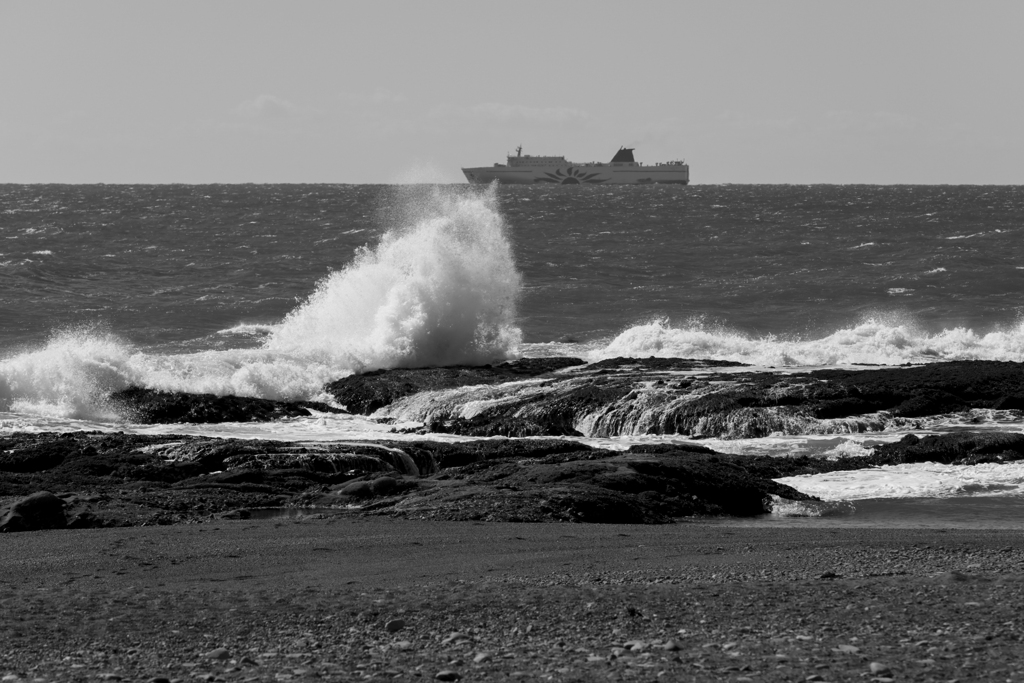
(450, 455)
(590, 485)
(366, 488)
(928, 402)
(324, 462)
(35, 457)
(369, 391)
(123, 479)
(1009, 403)
(149, 406)
(672, 448)
(554, 413)
(357, 489)
(648, 396)
(654, 364)
(964, 448)
(382, 486)
(931, 389)
(41, 510)
(328, 458)
(86, 519)
(500, 425)
(756, 404)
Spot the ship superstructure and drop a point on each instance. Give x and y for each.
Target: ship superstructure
(623, 169)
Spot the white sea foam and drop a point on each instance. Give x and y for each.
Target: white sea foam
(782, 507)
(876, 341)
(439, 290)
(248, 330)
(320, 427)
(917, 480)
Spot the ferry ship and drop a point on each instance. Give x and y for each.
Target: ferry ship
(623, 169)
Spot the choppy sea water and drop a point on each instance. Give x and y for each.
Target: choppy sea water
(273, 290)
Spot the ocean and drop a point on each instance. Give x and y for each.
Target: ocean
(273, 290)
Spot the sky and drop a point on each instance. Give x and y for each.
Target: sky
(785, 91)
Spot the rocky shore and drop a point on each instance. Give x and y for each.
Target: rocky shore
(627, 396)
(103, 479)
(630, 396)
(118, 479)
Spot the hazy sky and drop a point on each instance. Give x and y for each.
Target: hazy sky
(766, 92)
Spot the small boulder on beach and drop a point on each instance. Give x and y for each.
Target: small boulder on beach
(41, 510)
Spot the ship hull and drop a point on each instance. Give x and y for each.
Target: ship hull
(580, 175)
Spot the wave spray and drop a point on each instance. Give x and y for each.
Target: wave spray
(440, 291)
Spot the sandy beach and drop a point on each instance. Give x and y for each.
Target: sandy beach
(384, 599)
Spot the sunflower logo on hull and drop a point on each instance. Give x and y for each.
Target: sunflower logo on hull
(571, 176)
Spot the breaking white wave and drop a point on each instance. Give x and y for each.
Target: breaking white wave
(440, 290)
(443, 292)
(874, 341)
(77, 369)
(70, 376)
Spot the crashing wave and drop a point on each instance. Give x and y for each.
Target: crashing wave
(875, 341)
(440, 289)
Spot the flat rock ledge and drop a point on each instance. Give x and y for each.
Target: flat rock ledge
(126, 480)
(701, 399)
(150, 406)
(119, 479)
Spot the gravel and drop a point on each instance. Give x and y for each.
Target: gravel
(318, 600)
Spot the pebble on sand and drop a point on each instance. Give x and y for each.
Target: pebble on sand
(879, 669)
(395, 625)
(447, 675)
(219, 653)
